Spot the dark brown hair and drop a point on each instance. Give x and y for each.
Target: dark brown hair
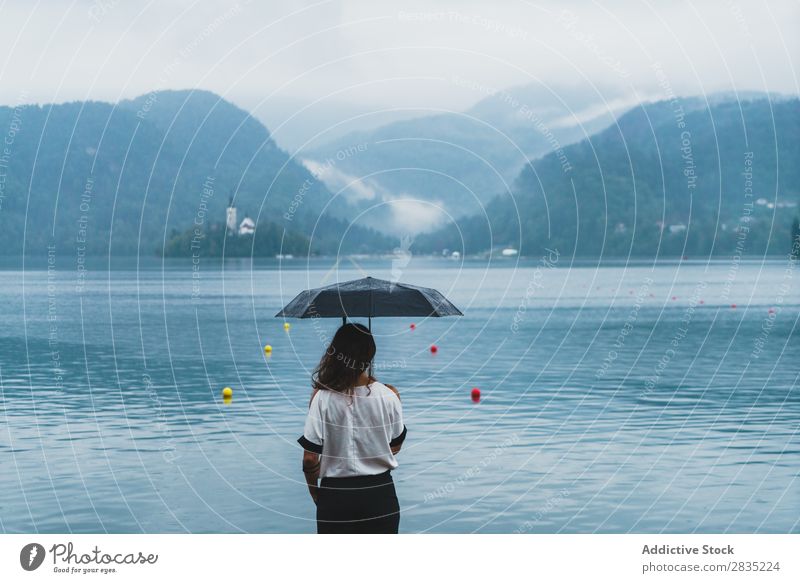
(350, 353)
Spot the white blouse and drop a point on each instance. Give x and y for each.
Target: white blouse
(354, 433)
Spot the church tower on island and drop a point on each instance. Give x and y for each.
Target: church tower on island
(230, 221)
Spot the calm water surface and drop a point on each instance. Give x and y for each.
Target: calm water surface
(607, 405)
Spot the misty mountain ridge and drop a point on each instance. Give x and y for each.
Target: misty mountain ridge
(134, 173)
(415, 175)
(138, 176)
(670, 178)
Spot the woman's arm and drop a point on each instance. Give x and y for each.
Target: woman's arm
(395, 448)
(311, 462)
(311, 465)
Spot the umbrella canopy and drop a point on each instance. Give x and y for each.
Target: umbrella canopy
(369, 298)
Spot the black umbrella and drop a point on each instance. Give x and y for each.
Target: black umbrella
(369, 298)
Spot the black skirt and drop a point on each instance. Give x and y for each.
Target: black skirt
(358, 504)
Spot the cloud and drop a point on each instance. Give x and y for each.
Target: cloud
(412, 215)
(611, 106)
(406, 214)
(353, 188)
(358, 56)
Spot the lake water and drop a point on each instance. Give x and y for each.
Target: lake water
(607, 405)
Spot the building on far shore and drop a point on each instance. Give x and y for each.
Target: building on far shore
(247, 226)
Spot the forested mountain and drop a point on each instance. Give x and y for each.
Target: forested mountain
(675, 178)
(104, 178)
(460, 160)
(670, 178)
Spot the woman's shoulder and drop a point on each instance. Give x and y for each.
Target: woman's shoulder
(384, 389)
(318, 397)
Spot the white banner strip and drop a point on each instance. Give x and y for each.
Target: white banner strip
(350, 559)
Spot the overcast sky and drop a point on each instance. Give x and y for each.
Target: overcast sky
(278, 57)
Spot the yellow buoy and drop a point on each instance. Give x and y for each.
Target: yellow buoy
(286, 326)
(227, 392)
(227, 400)
(268, 349)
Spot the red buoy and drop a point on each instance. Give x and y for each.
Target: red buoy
(434, 349)
(772, 310)
(476, 394)
(733, 306)
(702, 301)
(413, 326)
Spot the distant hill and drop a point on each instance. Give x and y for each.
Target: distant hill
(459, 160)
(99, 178)
(670, 178)
(137, 177)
